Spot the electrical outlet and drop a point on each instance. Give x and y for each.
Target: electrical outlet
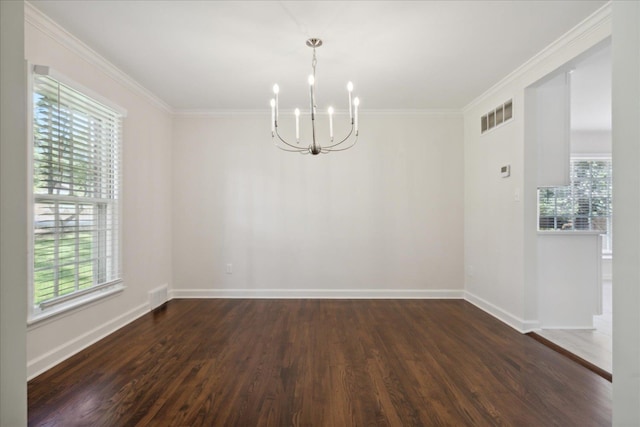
(229, 268)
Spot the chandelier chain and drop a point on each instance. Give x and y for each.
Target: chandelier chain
(314, 61)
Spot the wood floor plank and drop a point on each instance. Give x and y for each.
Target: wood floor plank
(318, 363)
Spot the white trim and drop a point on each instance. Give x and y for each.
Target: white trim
(45, 70)
(409, 112)
(75, 306)
(607, 272)
(225, 113)
(47, 26)
(569, 232)
(572, 328)
(266, 113)
(80, 297)
(592, 23)
(591, 156)
(520, 325)
(29, 192)
(64, 351)
(318, 293)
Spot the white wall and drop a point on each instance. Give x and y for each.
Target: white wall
(500, 232)
(146, 197)
(626, 212)
(493, 216)
(569, 279)
(13, 218)
(379, 219)
(591, 142)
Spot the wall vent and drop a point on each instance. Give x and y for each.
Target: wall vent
(498, 116)
(158, 296)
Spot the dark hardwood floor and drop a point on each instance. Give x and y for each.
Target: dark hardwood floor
(320, 363)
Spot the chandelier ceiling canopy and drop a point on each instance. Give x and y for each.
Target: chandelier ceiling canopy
(315, 147)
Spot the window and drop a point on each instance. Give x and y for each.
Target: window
(76, 193)
(583, 205)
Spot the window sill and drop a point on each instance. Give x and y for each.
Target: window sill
(569, 232)
(39, 318)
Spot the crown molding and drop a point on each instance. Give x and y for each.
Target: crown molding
(265, 112)
(413, 112)
(594, 22)
(49, 27)
(196, 114)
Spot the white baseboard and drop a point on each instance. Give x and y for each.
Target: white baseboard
(567, 328)
(48, 360)
(520, 325)
(319, 293)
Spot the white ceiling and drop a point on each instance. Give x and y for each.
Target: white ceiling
(226, 55)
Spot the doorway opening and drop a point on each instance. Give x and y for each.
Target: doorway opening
(572, 121)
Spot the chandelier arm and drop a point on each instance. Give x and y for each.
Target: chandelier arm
(345, 138)
(344, 148)
(295, 150)
(292, 151)
(285, 142)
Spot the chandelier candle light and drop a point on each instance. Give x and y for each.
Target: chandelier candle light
(315, 148)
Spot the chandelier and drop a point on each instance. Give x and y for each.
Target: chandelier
(315, 148)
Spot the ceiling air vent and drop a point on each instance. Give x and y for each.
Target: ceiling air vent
(501, 114)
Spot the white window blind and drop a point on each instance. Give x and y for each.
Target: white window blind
(585, 204)
(76, 193)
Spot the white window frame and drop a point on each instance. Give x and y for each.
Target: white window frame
(66, 303)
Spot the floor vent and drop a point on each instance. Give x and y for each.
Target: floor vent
(157, 297)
